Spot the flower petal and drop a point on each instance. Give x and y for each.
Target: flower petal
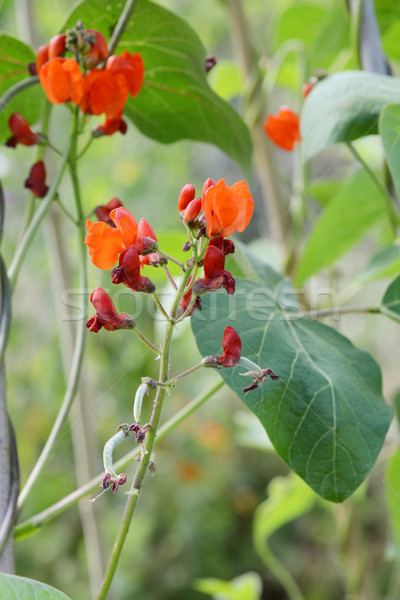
(104, 242)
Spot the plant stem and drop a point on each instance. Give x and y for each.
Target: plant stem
(81, 329)
(169, 277)
(171, 258)
(16, 89)
(150, 440)
(161, 308)
(121, 25)
(38, 217)
(146, 341)
(184, 373)
(280, 572)
(326, 312)
(34, 523)
(390, 211)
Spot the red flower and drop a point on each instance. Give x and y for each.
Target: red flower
(106, 315)
(128, 272)
(62, 80)
(226, 209)
(187, 195)
(103, 211)
(111, 126)
(215, 276)
(284, 128)
(227, 246)
(22, 133)
(185, 303)
(36, 180)
(147, 242)
(232, 347)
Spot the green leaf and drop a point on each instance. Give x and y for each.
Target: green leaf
(344, 107)
(391, 299)
(14, 59)
(13, 587)
(356, 208)
(325, 416)
(384, 264)
(389, 128)
(176, 101)
(392, 477)
(288, 498)
(245, 587)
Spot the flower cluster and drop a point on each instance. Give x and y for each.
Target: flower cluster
(90, 78)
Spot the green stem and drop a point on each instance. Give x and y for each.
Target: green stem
(86, 147)
(161, 308)
(121, 25)
(34, 523)
(38, 217)
(326, 312)
(187, 372)
(81, 330)
(355, 30)
(391, 213)
(16, 89)
(146, 341)
(171, 258)
(150, 440)
(280, 572)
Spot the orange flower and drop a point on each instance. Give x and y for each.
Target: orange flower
(131, 67)
(104, 93)
(106, 243)
(62, 80)
(227, 209)
(284, 128)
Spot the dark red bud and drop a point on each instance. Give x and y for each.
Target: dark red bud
(211, 61)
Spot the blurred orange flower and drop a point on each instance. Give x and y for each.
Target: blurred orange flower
(284, 128)
(227, 209)
(62, 80)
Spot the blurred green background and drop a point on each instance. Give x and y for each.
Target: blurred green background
(195, 517)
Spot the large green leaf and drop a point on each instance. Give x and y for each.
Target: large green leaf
(325, 415)
(14, 59)
(356, 207)
(389, 128)
(13, 587)
(176, 101)
(344, 107)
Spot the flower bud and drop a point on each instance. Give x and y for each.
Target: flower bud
(192, 210)
(187, 194)
(57, 45)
